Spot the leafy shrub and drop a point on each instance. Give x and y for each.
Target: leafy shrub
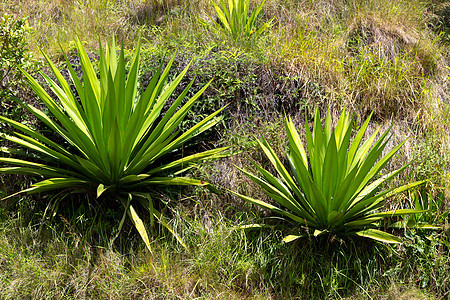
(233, 19)
(119, 142)
(254, 87)
(13, 52)
(335, 189)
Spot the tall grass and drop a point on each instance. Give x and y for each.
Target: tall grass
(223, 263)
(59, 21)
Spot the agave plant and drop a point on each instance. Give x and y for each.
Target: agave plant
(336, 189)
(233, 19)
(116, 133)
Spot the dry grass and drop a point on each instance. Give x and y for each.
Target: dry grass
(60, 21)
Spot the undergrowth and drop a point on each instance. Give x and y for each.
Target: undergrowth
(390, 57)
(223, 262)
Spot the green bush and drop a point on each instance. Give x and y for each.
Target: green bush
(13, 53)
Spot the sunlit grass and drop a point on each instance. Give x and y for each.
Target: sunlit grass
(364, 55)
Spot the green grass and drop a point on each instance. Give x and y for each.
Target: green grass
(58, 263)
(386, 56)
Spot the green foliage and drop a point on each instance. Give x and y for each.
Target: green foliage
(117, 136)
(314, 44)
(439, 20)
(433, 205)
(428, 161)
(13, 52)
(233, 19)
(334, 190)
(424, 258)
(251, 85)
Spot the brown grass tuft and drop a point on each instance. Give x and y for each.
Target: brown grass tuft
(388, 41)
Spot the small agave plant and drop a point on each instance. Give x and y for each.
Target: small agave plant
(234, 19)
(119, 141)
(337, 188)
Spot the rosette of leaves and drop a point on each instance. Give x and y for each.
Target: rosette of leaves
(120, 142)
(234, 19)
(334, 186)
